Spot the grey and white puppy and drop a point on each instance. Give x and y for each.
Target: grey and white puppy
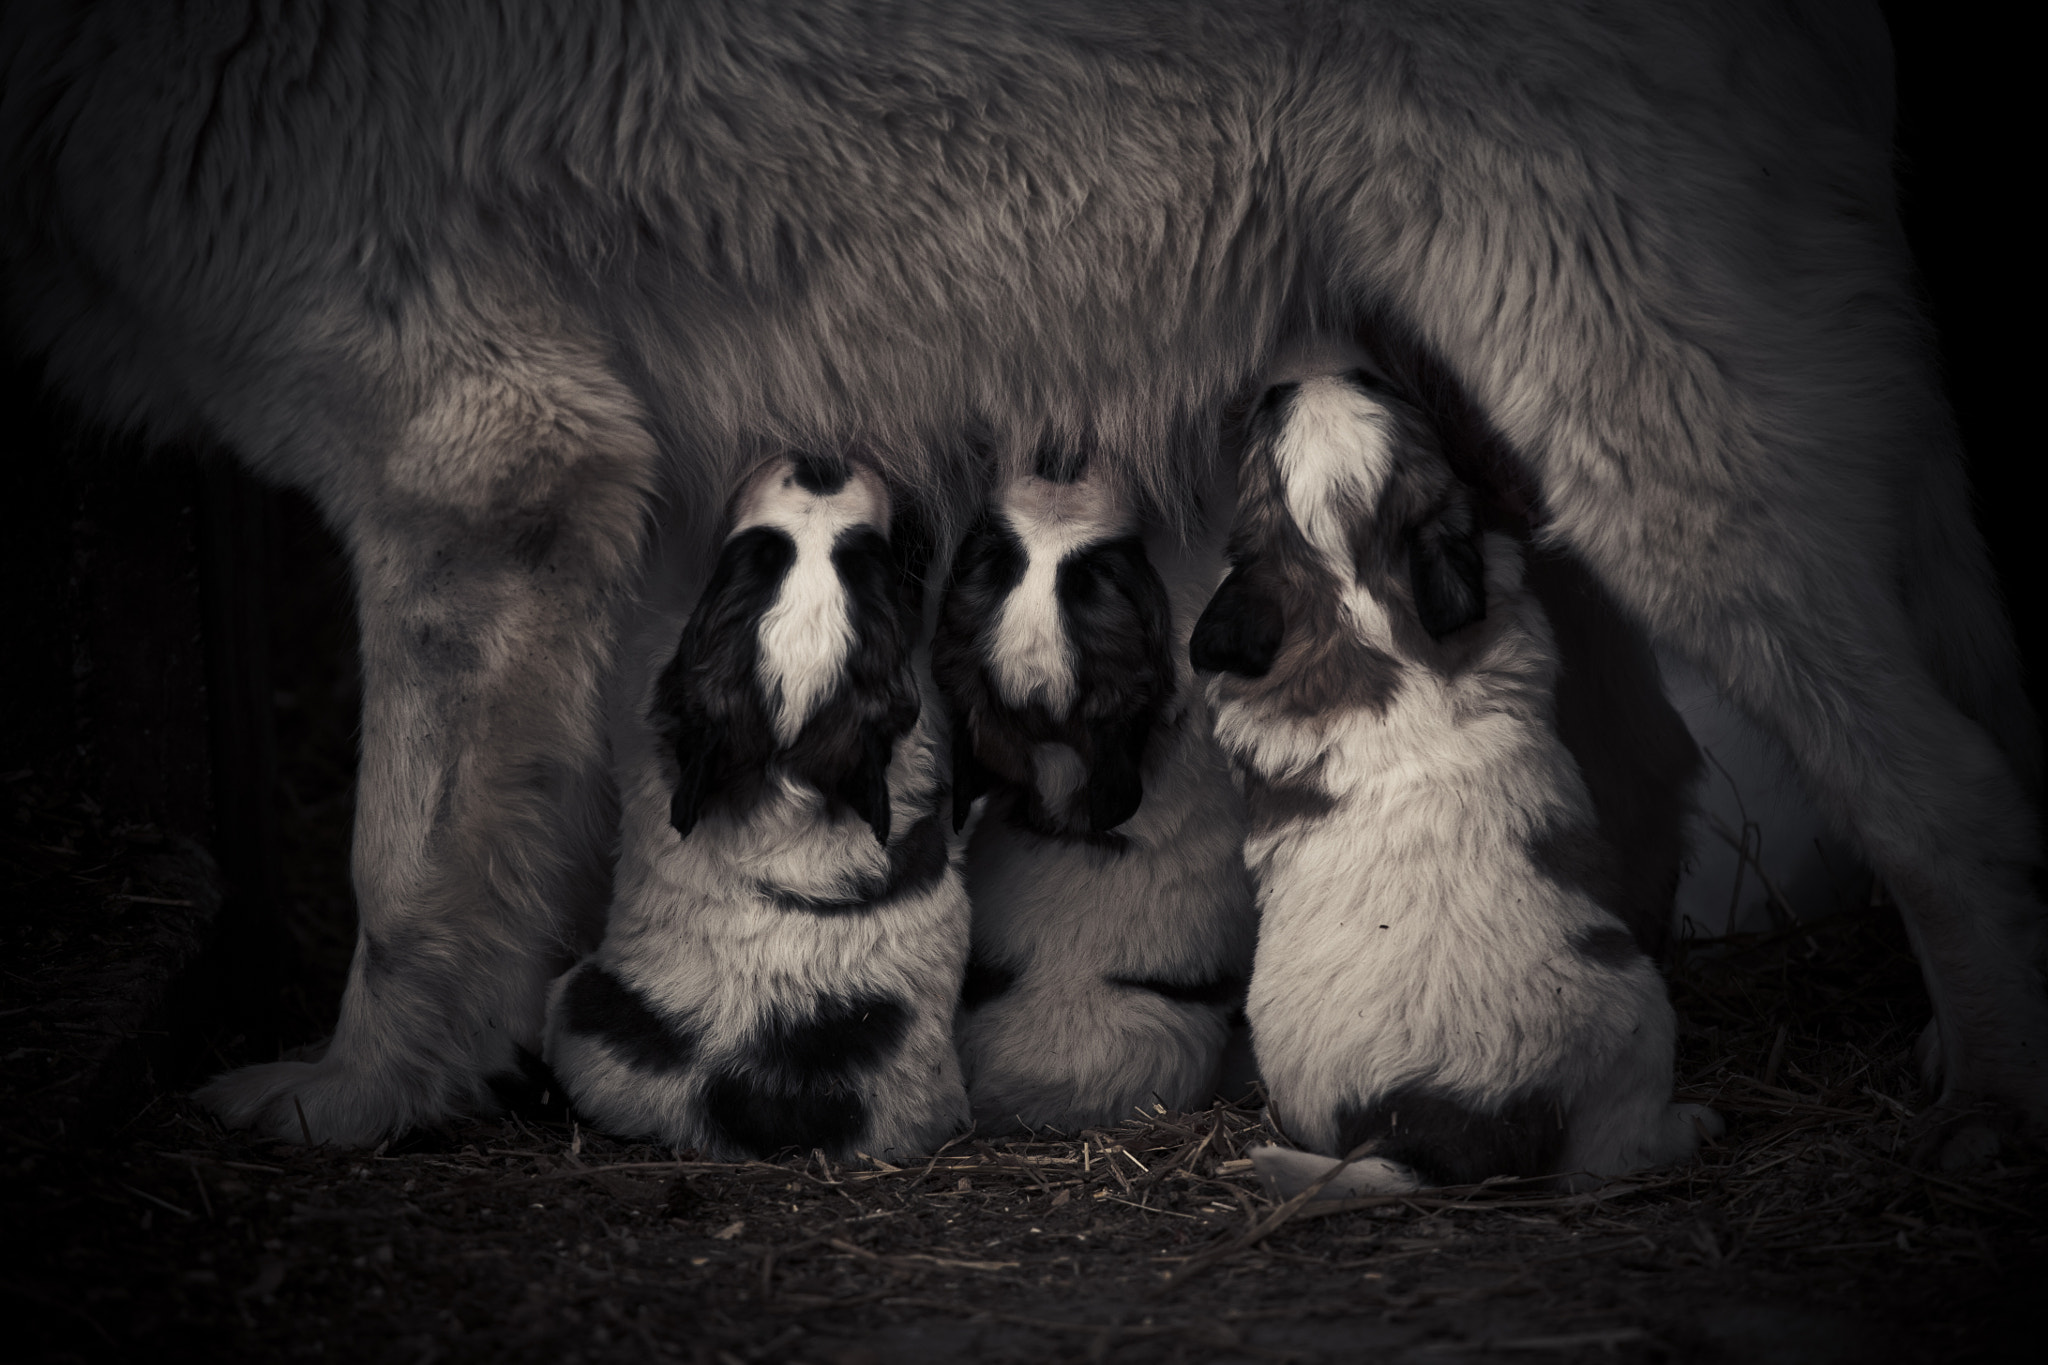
(1438, 985)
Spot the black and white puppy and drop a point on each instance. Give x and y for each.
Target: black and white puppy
(1437, 979)
(785, 948)
(1113, 922)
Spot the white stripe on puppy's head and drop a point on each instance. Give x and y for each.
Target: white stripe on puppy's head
(807, 631)
(1030, 657)
(1336, 447)
(796, 658)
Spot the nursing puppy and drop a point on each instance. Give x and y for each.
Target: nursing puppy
(1113, 926)
(1437, 984)
(781, 962)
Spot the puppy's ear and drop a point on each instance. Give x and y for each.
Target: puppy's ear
(1114, 788)
(1240, 630)
(864, 784)
(697, 762)
(1119, 620)
(970, 779)
(1447, 570)
(708, 702)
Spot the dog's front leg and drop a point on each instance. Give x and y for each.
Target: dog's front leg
(493, 549)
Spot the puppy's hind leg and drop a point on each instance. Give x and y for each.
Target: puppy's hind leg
(494, 548)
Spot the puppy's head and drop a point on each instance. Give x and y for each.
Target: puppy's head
(1052, 647)
(797, 658)
(1344, 500)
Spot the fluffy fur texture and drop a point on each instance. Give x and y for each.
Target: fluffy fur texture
(1436, 990)
(1106, 967)
(779, 970)
(508, 288)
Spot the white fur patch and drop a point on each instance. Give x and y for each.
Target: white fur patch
(1029, 653)
(806, 634)
(1334, 455)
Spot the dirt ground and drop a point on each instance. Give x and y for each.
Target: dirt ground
(1807, 1234)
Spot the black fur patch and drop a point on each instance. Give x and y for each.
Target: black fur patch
(1018, 808)
(1272, 804)
(1447, 572)
(1608, 946)
(597, 1004)
(1239, 631)
(764, 1119)
(794, 1087)
(1450, 1143)
(822, 475)
(1116, 612)
(987, 567)
(916, 864)
(1580, 860)
(531, 1092)
(708, 702)
(986, 980)
(1219, 991)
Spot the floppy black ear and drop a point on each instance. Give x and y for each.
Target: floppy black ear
(697, 760)
(1240, 630)
(970, 779)
(1116, 612)
(864, 785)
(708, 704)
(1115, 789)
(1447, 571)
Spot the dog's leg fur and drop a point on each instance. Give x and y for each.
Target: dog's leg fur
(1107, 962)
(1735, 423)
(781, 963)
(494, 549)
(1442, 973)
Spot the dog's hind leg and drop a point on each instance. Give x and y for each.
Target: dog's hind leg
(495, 544)
(1697, 326)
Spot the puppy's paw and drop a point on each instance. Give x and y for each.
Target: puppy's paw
(1286, 1172)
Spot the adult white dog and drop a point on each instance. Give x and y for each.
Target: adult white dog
(521, 294)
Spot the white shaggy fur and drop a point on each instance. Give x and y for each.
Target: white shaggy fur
(1407, 939)
(503, 295)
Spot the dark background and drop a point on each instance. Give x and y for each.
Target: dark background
(180, 657)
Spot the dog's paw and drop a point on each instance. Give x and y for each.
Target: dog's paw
(313, 1103)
